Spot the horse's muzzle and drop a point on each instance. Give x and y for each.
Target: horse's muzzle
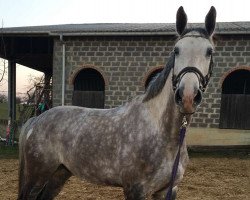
(188, 101)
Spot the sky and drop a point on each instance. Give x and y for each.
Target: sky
(16, 13)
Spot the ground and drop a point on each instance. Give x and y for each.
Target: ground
(208, 177)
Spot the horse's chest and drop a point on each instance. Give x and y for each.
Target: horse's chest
(165, 170)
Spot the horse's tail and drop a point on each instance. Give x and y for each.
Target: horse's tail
(22, 140)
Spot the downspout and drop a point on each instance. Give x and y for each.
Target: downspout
(63, 69)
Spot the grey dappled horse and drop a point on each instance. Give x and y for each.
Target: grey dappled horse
(132, 146)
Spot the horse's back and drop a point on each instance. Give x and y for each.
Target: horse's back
(63, 126)
(56, 117)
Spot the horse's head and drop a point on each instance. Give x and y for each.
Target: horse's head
(193, 61)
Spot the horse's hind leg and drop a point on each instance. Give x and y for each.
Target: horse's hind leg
(30, 182)
(55, 183)
(33, 177)
(161, 195)
(33, 184)
(31, 188)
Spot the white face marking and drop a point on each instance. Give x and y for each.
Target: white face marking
(189, 81)
(29, 133)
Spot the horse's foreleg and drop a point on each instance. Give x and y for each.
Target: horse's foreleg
(161, 195)
(134, 192)
(55, 183)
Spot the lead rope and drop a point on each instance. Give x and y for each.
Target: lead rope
(177, 158)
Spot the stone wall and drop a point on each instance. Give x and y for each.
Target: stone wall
(125, 62)
(230, 52)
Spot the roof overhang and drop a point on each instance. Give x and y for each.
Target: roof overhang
(120, 29)
(17, 39)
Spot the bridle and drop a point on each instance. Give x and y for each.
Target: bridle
(203, 80)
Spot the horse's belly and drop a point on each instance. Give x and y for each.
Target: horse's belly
(100, 178)
(95, 172)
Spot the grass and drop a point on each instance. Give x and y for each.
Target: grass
(4, 116)
(2, 130)
(3, 111)
(8, 152)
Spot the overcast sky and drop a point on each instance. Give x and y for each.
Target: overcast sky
(14, 13)
(44, 12)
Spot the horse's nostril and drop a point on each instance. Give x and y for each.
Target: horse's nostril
(178, 97)
(198, 97)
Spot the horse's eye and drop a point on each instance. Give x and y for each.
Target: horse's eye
(176, 51)
(209, 51)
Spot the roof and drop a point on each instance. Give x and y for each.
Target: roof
(122, 29)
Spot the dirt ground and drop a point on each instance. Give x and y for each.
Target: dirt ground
(207, 178)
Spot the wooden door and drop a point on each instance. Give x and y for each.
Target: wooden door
(235, 101)
(89, 99)
(89, 89)
(235, 111)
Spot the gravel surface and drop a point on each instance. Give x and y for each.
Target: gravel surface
(207, 178)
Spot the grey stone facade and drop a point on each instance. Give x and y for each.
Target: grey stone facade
(126, 60)
(230, 52)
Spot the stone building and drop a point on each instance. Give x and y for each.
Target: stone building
(104, 65)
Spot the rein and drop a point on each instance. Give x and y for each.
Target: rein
(177, 158)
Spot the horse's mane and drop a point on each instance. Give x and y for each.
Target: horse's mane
(157, 84)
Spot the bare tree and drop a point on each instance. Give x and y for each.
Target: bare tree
(2, 71)
(28, 108)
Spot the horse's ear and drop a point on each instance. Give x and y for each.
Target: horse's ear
(210, 20)
(181, 20)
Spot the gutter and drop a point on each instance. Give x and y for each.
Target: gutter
(112, 33)
(151, 33)
(109, 33)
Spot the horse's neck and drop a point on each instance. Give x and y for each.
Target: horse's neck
(164, 111)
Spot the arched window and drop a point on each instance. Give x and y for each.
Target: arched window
(235, 100)
(89, 89)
